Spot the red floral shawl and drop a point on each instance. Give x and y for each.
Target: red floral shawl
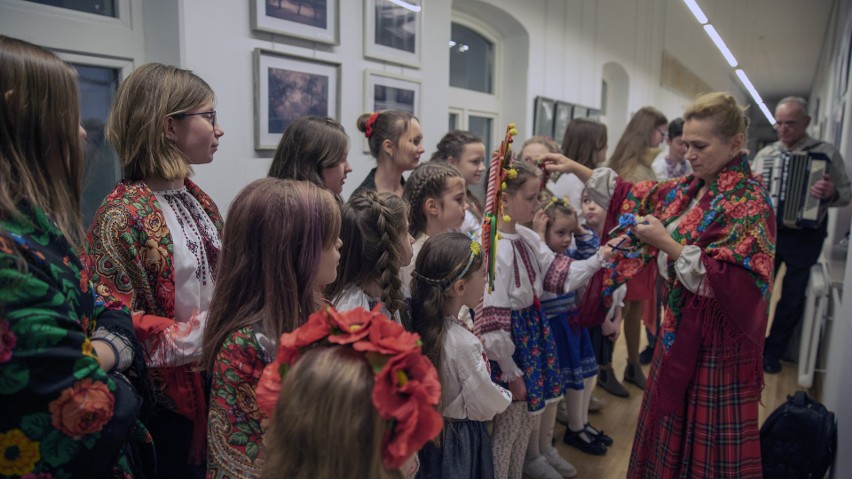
(734, 225)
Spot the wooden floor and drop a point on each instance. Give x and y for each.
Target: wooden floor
(619, 415)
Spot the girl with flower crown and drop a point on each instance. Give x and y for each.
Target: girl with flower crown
(358, 399)
(449, 275)
(519, 340)
(395, 138)
(265, 288)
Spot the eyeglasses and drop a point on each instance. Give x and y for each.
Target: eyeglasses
(663, 132)
(209, 115)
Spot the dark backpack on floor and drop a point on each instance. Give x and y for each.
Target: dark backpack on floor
(798, 440)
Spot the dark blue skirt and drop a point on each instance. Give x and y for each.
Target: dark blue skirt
(574, 347)
(464, 452)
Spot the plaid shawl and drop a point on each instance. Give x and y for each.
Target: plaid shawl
(734, 225)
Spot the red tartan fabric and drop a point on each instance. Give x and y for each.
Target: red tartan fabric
(714, 434)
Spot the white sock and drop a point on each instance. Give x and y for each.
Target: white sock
(533, 450)
(575, 409)
(588, 384)
(548, 422)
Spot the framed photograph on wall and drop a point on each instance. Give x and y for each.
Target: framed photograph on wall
(314, 20)
(543, 119)
(389, 91)
(561, 119)
(287, 87)
(392, 30)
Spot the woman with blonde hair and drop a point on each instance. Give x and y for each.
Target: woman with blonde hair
(632, 159)
(68, 409)
(154, 243)
(713, 233)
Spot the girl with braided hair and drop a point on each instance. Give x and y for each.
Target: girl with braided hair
(395, 138)
(376, 244)
(465, 151)
(435, 195)
(449, 275)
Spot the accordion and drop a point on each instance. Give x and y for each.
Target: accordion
(789, 178)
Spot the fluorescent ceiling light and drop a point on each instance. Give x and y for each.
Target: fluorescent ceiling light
(720, 44)
(747, 83)
(407, 6)
(696, 10)
(767, 113)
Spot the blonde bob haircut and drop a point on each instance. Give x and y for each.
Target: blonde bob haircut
(722, 108)
(325, 424)
(152, 93)
(41, 156)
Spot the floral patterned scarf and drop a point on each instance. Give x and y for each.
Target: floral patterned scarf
(734, 225)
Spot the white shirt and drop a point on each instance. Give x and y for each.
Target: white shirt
(353, 297)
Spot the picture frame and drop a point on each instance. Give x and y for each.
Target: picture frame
(390, 91)
(314, 20)
(561, 118)
(287, 87)
(392, 31)
(544, 116)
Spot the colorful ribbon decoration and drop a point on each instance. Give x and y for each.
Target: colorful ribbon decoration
(497, 172)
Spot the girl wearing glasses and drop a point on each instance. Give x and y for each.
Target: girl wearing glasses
(154, 243)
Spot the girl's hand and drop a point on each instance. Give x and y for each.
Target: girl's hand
(580, 230)
(556, 162)
(539, 223)
(608, 249)
(519, 389)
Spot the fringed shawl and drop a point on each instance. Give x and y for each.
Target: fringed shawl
(734, 225)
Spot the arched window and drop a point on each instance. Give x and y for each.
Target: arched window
(471, 60)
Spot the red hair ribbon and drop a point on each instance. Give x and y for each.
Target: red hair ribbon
(368, 128)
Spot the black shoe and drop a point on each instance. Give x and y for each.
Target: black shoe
(582, 441)
(646, 355)
(599, 436)
(633, 374)
(771, 365)
(607, 381)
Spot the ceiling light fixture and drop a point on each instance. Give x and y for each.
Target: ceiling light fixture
(696, 11)
(407, 6)
(720, 44)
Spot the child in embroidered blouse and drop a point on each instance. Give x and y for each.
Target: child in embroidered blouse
(449, 275)
(265, 288)
(465, 151)
(376, 244)
(574, 347)
(519, 340)
(435, 195)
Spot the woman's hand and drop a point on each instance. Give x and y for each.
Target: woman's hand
(556, 162)
(539, 224)
(519, 389)
(652, 232)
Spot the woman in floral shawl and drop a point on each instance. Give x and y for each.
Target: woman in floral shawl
(712, 235)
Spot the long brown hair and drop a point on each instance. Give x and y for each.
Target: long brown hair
(308, 146)
(439, 264)
(388, 125)
(326, 401)
(636, 139)
(41, 156)
(276, 232)
(584, 138)
(373, 229)
(134, 127)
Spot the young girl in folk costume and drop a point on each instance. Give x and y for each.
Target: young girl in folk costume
(154, 243)
(264, 288)
(396, 142)
(465, 152)
(435, 196)
(632, 159)
(518, 339)
(449, 275)
(376, 244)
(313, 149)
(357, 399)
(67, 409)
(561, 185)
(573, 345)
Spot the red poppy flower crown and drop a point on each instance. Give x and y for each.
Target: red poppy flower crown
(406, 388)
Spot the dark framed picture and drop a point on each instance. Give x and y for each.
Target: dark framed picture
(287, 87)
(544, 116)
(561, 119)
(314, 20)
(389, 91)
(392, 30)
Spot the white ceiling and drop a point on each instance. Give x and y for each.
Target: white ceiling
(777, 42)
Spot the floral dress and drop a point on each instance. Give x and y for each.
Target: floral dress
(235, 424)
(62, 415)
